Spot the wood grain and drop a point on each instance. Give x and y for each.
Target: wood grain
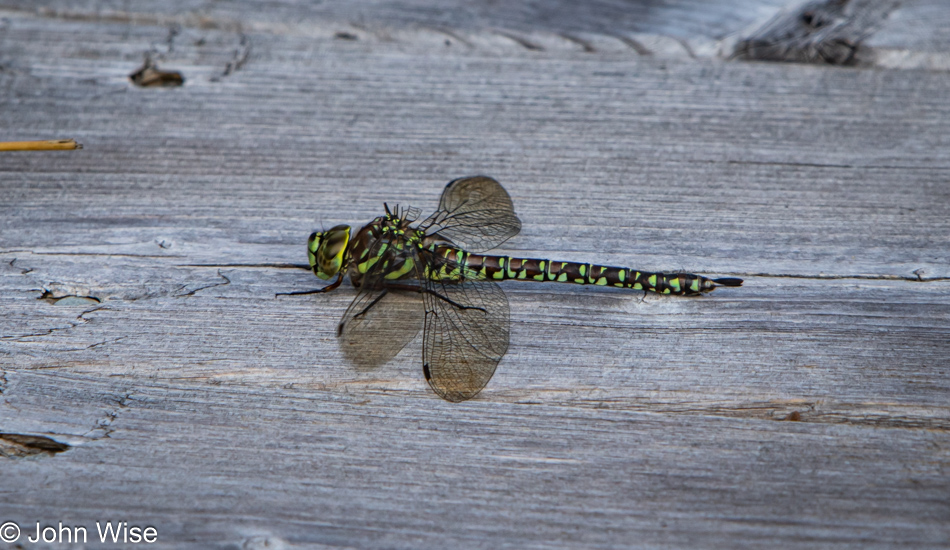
(140, 327)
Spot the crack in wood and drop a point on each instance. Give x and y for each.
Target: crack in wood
(17, 446)
(686, 47)
(227, 281)
(806, 164)
(917, 278)
(263, 265)
(107, 254)
(817, 412)
(95, 345)
(632, 44)
(918, 273)
(343, 35)
(23, 271)
(585, 45)
(49, 297)
(46, 332)
(49, 331)
(150, 76)
(524, 43)
(104, 428)
(238, 60)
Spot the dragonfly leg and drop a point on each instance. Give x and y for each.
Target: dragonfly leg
(364, 311)
(460, 306)
(371, 304)
(433, 293)
(328, 288)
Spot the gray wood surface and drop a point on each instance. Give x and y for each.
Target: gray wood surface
(148, 374)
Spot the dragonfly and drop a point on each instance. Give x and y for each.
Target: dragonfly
(396, 263)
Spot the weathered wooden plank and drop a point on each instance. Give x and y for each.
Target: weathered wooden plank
(671, 354)
(340, 468)
(197, 402)
(685, 19)
(910, 34)
(606, 127)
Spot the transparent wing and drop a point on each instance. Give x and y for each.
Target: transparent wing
(380, 321)
(371, 339)
(475, 213)
(465, 331)
(465, 320)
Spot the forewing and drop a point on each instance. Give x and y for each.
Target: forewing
(380, 321)
(465, 334)
(475, 213)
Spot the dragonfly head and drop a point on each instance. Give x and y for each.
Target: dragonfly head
(325, 250)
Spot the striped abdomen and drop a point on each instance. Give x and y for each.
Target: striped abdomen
(501, 268)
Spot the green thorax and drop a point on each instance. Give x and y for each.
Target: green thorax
(388, 239)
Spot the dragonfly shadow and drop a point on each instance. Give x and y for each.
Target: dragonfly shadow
(376, 336)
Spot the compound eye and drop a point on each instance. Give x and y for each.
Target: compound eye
(313, 243)
(330, 250)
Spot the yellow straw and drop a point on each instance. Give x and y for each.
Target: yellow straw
(48, 145)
